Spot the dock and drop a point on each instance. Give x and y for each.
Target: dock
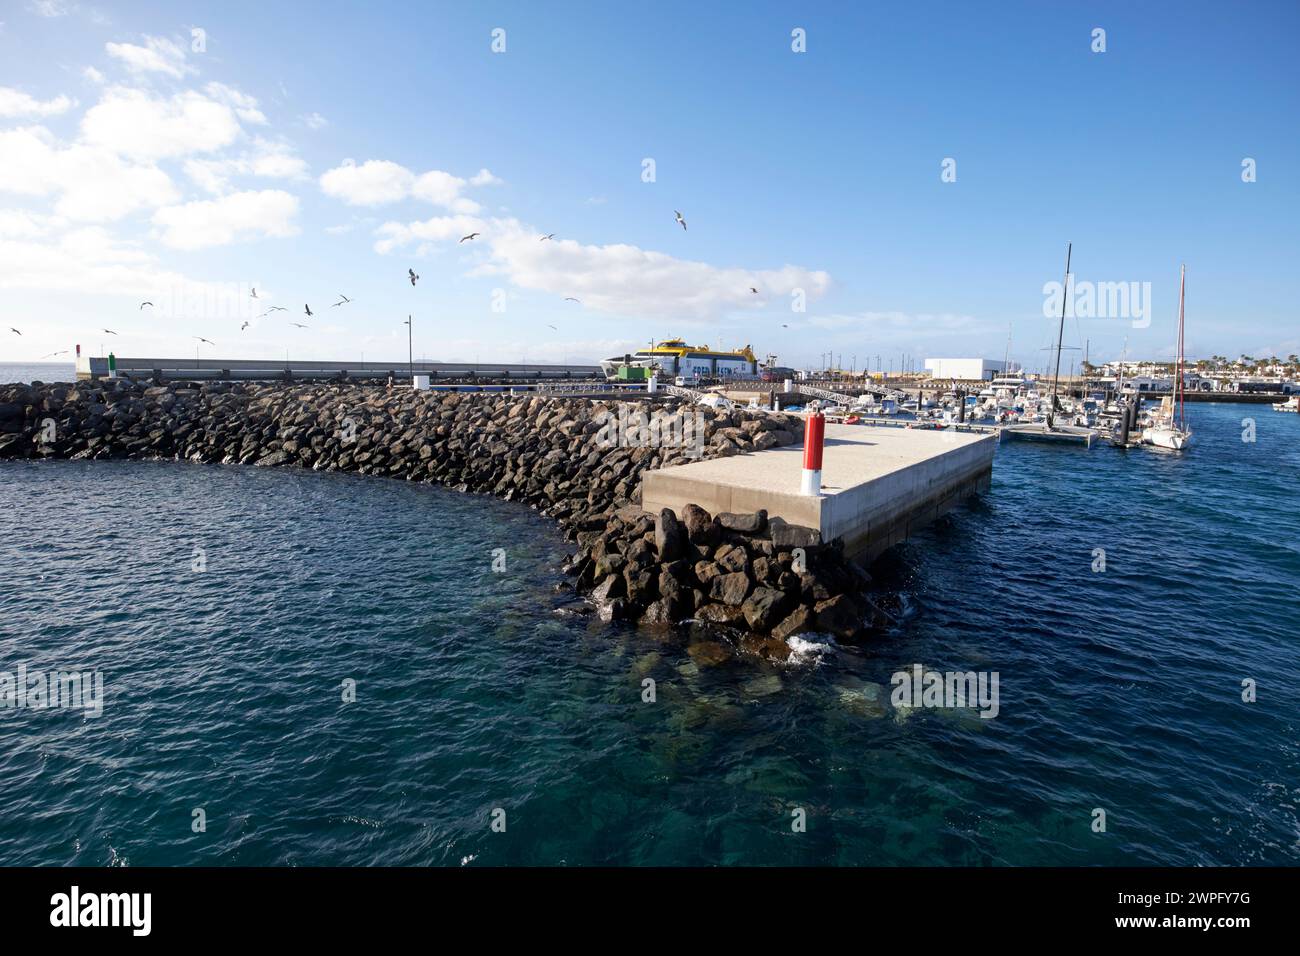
(879, 485)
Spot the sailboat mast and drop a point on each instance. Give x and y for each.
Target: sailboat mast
(1060, 333)
(1178, 382)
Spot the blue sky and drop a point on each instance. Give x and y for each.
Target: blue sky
(313, 150)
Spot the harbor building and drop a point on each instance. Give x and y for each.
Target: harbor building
(964, 369)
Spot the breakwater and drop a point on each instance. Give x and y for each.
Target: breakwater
(578, 461)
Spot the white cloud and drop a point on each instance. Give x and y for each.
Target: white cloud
(338, 230)
(245, 106)
(158, 55)
(14, 103)
(17, 224)
(92, 184)
(135, 123)
(394, 235)
(50, 8)
(86, 260)
(615, 278)
(373, 183)
(484, 177)
(93, 75)
(379, 181)
(267, 160)
(315, 121)
(219, 222)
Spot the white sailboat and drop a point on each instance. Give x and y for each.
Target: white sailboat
(1168, 428)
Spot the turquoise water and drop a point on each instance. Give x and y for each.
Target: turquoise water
(478, 690)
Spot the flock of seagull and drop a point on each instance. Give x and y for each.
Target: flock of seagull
(411, 275)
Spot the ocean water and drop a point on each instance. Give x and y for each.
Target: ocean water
(37, 372)
(1120, 690)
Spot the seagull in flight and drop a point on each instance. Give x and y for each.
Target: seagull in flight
(14, 331)
(202, 339)
(308, 310)
(552, 327)
(680, 219)
(109, 331)
(143, 304)
(245, 325)
(472, 235)
(753, 290)
(300, 325)
(254, 293)
(274, 308)
(411, 273)
(343, 300)
(569, 298)
(549, 235)
(52, 354)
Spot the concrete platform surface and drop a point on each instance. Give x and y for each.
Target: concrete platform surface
(878, 484)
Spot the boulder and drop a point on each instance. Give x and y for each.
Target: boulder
(744, 523)
(730, 588)
(839, 617)
(670, 536)
(698, 524)
(786, 536)
(765, 607)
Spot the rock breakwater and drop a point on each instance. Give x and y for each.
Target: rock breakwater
(578, 461)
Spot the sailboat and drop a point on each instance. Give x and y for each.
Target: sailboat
(1049, 430)
(1168, 428)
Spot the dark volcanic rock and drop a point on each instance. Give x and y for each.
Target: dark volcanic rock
(745, 524)
(669, 536)
(699, 525)
(730, 588)
(765, 607)
(839, 617)
(786, 536)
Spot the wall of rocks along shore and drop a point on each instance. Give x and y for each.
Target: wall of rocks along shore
(578, 461)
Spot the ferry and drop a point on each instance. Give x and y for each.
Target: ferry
(675, 358)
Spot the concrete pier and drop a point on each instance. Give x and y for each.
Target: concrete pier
(878, 484)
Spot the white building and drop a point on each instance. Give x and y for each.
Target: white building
(964, 369)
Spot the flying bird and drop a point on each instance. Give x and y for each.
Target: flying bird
(143, 304)
(343, 300)
(552, 327)
(275, 308)
(753, 290)
(52, 354)
(300, 325)
(411, 273)
(109, 331)
(254, 293)
(14, 331)
(569, 298)
(308, 310)
(245, 325)
(680, 219)
(202, 339)
(549, 235)
(472, 235)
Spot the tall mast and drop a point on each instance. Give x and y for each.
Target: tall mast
(1178, 381)
(1060, 332)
